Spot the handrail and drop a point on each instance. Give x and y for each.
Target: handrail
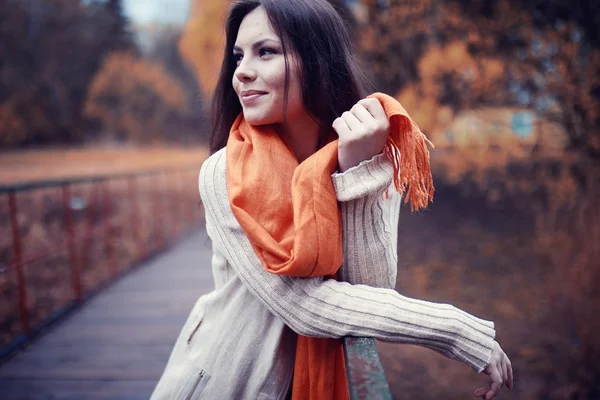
(366, 377)
(40, 184)
(111, 213)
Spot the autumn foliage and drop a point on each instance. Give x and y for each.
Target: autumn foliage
(72, 73)
(203, 41)
(134, 98)
(49, 53)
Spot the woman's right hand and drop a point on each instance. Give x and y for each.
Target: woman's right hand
(500, 372)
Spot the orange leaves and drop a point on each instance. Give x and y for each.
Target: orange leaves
(50, 50)
(203, 41)
(134, 97)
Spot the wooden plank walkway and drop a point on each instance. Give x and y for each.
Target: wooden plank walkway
(115, 346)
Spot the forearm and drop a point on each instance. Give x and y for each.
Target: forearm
(369, 222)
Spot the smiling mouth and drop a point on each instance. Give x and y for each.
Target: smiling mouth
(251, 97)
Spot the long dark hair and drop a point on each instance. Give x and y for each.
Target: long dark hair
(330, 79)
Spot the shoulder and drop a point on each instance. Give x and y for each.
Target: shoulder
(214, 163)
(211, 180)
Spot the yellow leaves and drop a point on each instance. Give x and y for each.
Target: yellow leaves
(421, 99)
(456, 54)
(480, 72)
(124, 73)
(133, 97)
(425, 110)
(203, 41)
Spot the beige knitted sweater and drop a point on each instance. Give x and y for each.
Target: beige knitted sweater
(239, 340)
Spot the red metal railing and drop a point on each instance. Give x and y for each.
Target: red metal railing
(116, 217)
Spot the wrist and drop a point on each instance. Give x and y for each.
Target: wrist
(349, 157)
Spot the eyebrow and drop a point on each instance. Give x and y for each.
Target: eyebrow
(257, 44)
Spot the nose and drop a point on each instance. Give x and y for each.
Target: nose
(245, 72)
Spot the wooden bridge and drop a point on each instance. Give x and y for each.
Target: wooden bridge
(116, 345)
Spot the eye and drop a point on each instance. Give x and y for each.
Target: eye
(237, 57)
(264, 51)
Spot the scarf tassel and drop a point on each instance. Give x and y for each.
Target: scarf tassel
(410, 158)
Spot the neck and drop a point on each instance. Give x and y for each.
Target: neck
(301, 136)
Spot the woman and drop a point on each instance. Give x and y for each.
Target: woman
(287, 204)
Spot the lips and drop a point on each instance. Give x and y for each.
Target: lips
(249, 96)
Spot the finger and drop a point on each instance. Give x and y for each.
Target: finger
(496, 381)
(374, 107)
(495, 388)
(504, 371)
(353, 123)
(362, 113)
(510, 374)
(341, 127)
(481, 391)
(496, 375)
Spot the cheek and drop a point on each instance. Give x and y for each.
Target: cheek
(235, 83)
(295, 103)
(275, 79)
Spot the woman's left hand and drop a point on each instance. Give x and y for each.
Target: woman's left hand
(500, 372)
(362, 132)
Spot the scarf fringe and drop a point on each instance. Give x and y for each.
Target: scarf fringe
(410, 157)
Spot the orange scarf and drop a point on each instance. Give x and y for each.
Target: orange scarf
(290, 214)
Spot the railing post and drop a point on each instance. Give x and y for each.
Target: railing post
(75, 277)
(155, 217)
(366, 378)
(17, 251)
(107, 228)
(135, 219)
(90, 214)
(180, 204)
(190, 218)
(168, 200)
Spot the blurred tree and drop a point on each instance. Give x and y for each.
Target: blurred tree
(117, 26)
(191, 123)
(49, 52)
(203, 41)
(134, 99)
(446, 72)
(392, 37)
(456, 55)
(551, 53)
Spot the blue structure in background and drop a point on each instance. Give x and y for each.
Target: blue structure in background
(522, 124)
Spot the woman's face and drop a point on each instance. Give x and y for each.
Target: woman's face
(259, 79)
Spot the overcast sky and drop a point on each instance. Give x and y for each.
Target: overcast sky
(164, 11)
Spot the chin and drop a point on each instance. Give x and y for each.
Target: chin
(255, 118)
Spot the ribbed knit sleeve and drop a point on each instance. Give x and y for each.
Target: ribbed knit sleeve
(329, 308)
(369, 222)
